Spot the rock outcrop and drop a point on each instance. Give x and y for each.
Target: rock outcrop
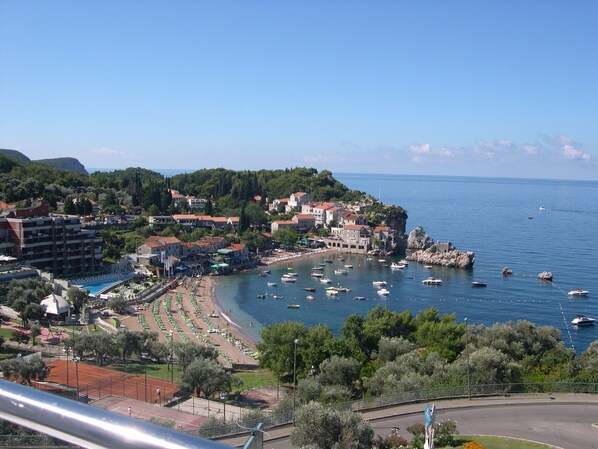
(451, 258)
(418, 239)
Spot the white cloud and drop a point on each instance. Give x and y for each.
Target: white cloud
(569, 150)
(104, 151)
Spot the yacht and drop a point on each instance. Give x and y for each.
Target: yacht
(325, 280)
(432, 281)
(379, 283)
(581, 320)
(578, 292)
(397, 266)
(383, 292)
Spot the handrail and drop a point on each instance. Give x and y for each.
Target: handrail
(88, 426)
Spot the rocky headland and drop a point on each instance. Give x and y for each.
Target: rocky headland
(444, 254)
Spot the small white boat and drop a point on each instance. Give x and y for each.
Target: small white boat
(340, 271)
(578, 292)
(581, 320)
(359, 298)
(331, 292)
(349, 266)
(288, 279)
(542, 208)
(428, 266)
(325, 280)
(383, 292)
(291, 274)
(379, 283)
(317, 275)
(272, 284)
(382, 260)
(318, 268)
(404, 262)
(478, 284)
(397, 266)
(432, 281)
(293, 306)
(277, 296)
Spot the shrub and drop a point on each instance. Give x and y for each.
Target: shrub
(472, 445)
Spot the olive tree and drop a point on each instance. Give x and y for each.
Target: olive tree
(323, 428)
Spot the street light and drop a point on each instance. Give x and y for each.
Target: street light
(224, 397)
(294, 375)
(467, 355)
(76, 362)
(171, 356)
(313, 371)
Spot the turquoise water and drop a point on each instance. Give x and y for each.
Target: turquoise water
(94, 289)
(498, 219)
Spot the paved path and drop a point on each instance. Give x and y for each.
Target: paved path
(563, 420)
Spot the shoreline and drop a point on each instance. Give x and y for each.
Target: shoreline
(211, 298)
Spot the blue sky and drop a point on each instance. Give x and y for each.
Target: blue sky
(480, 88)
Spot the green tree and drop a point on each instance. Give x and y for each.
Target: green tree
(188, 352)
(207, 376)
(277, 347)
(128, 342)
(287, 237)
(77, 297)
(339, 371)
(35, 331)
(322, 428)
(26, 369)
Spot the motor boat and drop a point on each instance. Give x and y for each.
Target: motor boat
(578, 292)
(379, 283)
(272, 284)
(325, 280)
(397, 266)
(478, 284)
(581, 320)
(293, 306)
(383, 292)
(432, 281)
(340, 271)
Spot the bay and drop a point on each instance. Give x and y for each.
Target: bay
(497, 218)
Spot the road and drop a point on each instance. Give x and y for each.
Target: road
(564, 421)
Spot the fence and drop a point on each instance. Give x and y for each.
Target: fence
(407, 397)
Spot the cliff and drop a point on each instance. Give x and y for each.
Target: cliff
(64, 163)
(446, 257)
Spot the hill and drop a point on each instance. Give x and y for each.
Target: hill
(64, 163)
(15, 155)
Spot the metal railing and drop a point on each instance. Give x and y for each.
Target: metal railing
(87, 426)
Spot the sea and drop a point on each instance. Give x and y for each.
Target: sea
(528, 225)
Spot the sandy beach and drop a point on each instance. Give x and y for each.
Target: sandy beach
(192, 312)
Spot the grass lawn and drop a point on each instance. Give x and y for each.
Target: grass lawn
(257, 378)
(499, 442)
(6, 333)
(158, 371)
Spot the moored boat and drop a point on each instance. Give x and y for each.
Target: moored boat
(581, 320)
(293, 306)
(272, 284)
(378, 283)
(383, 292)
(432, 281)
(478, 284)
(340, 271)
(397, 266)
(578, 292)
(325, 280)
(309, 289)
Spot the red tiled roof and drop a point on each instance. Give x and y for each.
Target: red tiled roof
(355, 227)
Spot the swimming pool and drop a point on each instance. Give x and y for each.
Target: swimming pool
(102, 287)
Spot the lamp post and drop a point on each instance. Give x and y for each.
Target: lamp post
(171, 356)
(76, 362)
(224, 397)
(67, 367)
(294, 375)
(467, 355)
(313, 371)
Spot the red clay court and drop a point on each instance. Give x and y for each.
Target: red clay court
(96, 382)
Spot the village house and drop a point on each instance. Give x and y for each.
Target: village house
(156, 249)
(161, 220)
(297, 200)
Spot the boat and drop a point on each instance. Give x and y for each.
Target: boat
(310, 298)
(266, 271)
(379, 282)
(578, 292)
(340, 271)
(382, 260)
(292, 273)
(328, 261)
(325, 280)
(278, 297)
(506, 271)
(293, 306)
(542, 208)
(404, 262)
(581, 320)
(272, 284)
(318, 268)
(428, 266)
(432, 281)
(397, 266)
(349, 266)
(317, 275)
(288, 279)
(478, 284)
(309, 289)
(343, 289)
(262, 275)
(359, 298)
(331, 292)
(262, 296)
(369, 259)
(383, 292)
